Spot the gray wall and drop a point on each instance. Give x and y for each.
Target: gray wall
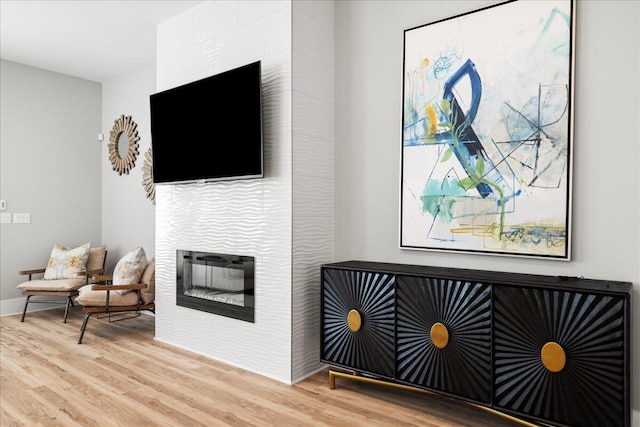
(49, 168)
(368, 114)
(128, 215)
(54, 167)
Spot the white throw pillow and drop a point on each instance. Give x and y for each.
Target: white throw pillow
(129, 269)
(65, 263)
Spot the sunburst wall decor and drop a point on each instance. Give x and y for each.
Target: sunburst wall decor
(147, 177)
(123, 125)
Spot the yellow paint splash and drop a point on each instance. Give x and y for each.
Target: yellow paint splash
(433, 119)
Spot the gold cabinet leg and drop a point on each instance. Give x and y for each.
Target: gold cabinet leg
(332, 381)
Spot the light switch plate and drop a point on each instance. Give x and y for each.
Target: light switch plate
(5, 218)
(3, 205)
(21, 218)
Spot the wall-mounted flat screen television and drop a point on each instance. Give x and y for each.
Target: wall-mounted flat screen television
(209, 129)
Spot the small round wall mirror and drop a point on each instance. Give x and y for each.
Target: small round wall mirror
(123, 144)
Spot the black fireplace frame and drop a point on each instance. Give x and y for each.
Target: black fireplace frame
(246, 264)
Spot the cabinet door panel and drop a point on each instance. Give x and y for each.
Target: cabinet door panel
(560, 356)
(358, 317)
(444, 336)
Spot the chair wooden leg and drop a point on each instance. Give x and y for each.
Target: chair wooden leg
(66, 309)
(84, 326)
(25, 308)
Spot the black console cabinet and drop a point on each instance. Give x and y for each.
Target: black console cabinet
(547, 349)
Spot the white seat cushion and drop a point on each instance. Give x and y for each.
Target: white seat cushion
(89, 297)
(52, 285)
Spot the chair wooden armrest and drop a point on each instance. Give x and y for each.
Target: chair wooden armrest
(30, 272)
(117, 287)
(90, 273)
(102, 277)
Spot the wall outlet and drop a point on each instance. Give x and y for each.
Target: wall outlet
(21, 218)
(3, 205)
(5, 218)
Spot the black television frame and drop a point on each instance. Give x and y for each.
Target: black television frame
(193, 127)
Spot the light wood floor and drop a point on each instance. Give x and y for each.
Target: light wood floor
(121, 376)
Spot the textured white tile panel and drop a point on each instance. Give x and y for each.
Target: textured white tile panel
(250, 217)
(314, 157)
(311, 252)
(274, 218)
(302, 75)
(276, 87)
(250, 11)
(206, 24)
(303, 6)
(248, 196)
(323, 78)
(319, 10)
(170, 71)
(324, 13)
(312, 117)
(312, 196)
(276, 109)
(227, 51)
(241, 47)
(276, 113)
(306, 326)
(312, 37)
(193, 226)
(276, 30)
(312, 77)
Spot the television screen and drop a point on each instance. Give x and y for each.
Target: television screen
(210, 129)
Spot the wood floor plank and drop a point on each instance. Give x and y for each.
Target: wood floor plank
(121, 376)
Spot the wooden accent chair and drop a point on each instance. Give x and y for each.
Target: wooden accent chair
(67, 288)
(103, 297)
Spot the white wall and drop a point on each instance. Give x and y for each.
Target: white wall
(284, 220)
(128, 215)
(368, 114)
(250, 217)
(49, 158)
(312, 173)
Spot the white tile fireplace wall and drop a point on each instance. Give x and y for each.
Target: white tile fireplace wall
(285, 220)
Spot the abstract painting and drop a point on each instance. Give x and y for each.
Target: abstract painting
(487, 131)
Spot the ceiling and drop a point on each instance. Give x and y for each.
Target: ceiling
(96, 40)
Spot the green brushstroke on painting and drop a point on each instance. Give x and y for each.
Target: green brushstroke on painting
(476, 173)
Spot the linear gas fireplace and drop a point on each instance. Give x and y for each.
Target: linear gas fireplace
(216, 283)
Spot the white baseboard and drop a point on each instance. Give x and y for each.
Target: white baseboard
(9, 307)
(15, 306)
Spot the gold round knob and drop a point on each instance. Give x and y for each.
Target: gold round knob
(553, 357)
(439, 335)
(354, 320)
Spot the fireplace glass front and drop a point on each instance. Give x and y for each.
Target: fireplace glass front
(216, 283)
